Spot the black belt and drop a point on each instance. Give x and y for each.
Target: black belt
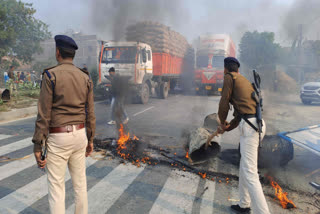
(249, 116)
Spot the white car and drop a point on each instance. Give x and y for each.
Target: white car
(310, 92)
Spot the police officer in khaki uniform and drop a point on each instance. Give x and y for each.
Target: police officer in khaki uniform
(66, 121)
(237, 91)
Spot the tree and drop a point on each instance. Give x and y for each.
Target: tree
(258, 49)
(20, 31)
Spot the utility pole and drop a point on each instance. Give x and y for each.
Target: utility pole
(300, 54)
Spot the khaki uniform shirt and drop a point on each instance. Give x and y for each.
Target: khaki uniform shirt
(68, 104)
(238, 93)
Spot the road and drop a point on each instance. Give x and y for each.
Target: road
(116, 187)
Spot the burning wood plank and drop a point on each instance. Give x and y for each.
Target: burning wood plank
(281, 196)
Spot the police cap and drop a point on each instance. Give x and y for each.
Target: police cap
(67, 42)
(231, 59)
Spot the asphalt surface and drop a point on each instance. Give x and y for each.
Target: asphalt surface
(116, 187)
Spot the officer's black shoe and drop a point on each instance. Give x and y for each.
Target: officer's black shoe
(239, 209)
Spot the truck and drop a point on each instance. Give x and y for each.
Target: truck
(210, 53)
(149, 59)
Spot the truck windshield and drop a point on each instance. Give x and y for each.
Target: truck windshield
(119, 55)
(218, 61)
(202, 61)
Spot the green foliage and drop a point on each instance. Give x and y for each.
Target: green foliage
(28, 86)
(33, 93)
(20, 31)
(258, 49)
(1, 102)
(94, 76)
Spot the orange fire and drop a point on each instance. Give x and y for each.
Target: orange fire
(203, 175)
(123, 139)
(122, 145)
(282, 196)
(187, 155)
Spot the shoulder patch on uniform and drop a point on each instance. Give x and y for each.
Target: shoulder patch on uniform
(47, 69)
(84, 71)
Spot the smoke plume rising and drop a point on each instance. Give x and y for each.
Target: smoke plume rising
(110, 18)
(306, 14)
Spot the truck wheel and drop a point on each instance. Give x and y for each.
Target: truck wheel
(164, 90)
(306, 102)
(144, 94)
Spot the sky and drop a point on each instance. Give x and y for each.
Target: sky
(191, 18)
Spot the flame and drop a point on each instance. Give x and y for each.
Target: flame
(282, 196)
(122, 145)
(187, 155)
(123, 138)
(122, 141)
(203, 175)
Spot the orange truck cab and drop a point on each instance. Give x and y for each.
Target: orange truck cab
(210, 53)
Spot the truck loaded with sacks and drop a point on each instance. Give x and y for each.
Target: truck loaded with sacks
(153, 58)
(210, 52)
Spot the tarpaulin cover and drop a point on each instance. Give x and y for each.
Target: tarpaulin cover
(308, 138)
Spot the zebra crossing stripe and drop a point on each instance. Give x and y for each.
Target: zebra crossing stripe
(25, 196)
(4, 136)
(15, 146)
(208, 195)
(178, 194)
(16, 166)
(110, 188)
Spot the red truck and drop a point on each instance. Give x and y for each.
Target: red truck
(210, 53)
(149, 64)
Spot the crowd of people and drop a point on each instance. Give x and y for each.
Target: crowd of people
(20, 77)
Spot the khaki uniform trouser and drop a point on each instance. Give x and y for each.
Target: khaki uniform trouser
(67, 149)
(250, 188)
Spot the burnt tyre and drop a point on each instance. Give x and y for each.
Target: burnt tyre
(275, 152)
(164, 90)
(144, 94)
(306, 102)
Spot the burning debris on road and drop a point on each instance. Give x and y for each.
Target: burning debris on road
(281, 196)
(135, 151)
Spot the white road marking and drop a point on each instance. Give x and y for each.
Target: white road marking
(25, 196)
(16, 166)
(208, 196)
(143, 111)
(15, 146)
(234, 198)
(178, 193)
(4, 136)
(103, 195)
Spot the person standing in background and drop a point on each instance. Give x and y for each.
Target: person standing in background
(11, 72)
(22, 77)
